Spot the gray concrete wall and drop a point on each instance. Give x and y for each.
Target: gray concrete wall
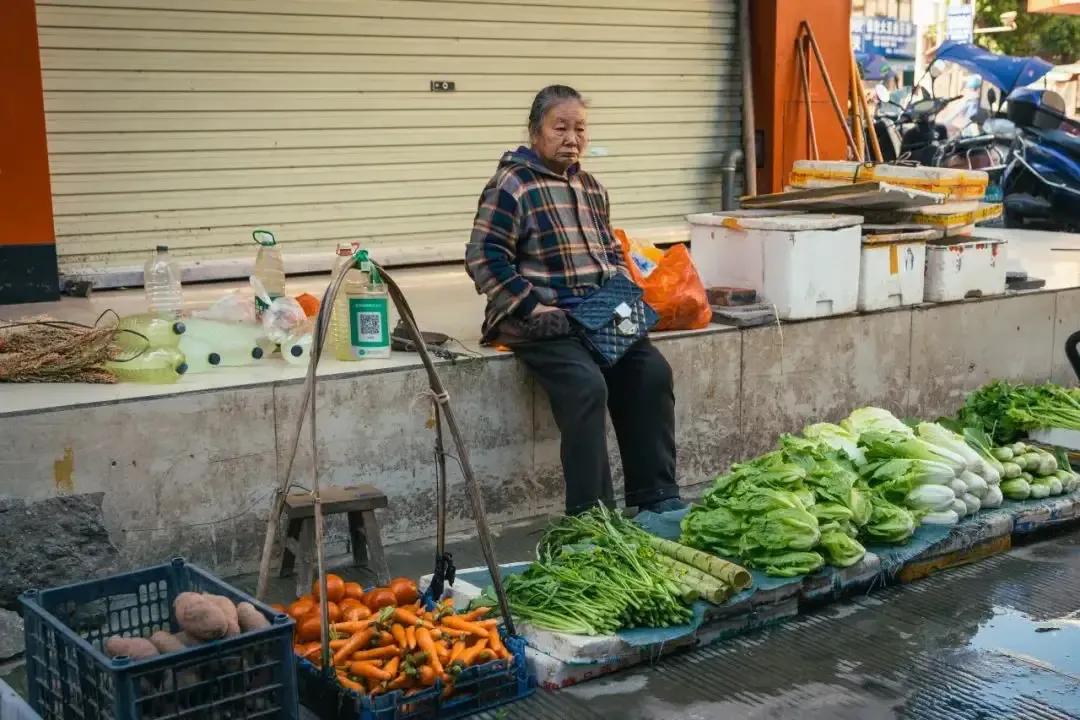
(191, 474)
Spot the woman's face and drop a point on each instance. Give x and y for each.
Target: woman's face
(563, 135)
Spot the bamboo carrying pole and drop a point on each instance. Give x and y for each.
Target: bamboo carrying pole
(811, 134)
(441, 398)
(748, 141)
(809, 33)
(868, 119)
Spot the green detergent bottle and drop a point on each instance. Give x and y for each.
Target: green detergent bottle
(363, 306)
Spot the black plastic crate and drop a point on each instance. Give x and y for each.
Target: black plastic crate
(477, 688)
(248, 677)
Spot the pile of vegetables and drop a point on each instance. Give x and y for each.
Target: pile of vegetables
(1030, 471)
(598, 572)
(789, 510)
(933, 472)
(202, 617)
(874, 478)
(382, 640)
(1006, 411)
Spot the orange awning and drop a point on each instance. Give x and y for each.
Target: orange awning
(1061, 7)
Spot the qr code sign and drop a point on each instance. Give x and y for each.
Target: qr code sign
(370, 324)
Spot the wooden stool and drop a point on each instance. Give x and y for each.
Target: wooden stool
(360, 503)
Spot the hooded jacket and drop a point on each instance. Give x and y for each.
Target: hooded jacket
(539, 237)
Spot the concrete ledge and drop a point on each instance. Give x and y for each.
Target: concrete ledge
(190, 471)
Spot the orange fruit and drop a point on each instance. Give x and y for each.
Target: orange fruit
(300, 607)
(335, 588)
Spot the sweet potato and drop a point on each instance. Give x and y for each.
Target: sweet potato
(185, 639)
(228, 608)
(200, 617)
(166, 642)
(136, 648)
(250, 618)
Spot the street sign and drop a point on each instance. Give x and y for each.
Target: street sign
(883, 36)
(960, 23)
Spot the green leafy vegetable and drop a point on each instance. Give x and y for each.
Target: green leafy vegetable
(886, 446)
(889, 523)
(837, 438)
(1006, 410)
(789, 564)
(872, 419)
(1015, 489)
(840, 549)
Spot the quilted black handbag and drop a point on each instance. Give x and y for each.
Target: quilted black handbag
(612, 319)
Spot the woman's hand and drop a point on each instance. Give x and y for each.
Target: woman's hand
(541, 309)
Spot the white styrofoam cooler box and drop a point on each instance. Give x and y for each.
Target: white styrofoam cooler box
(807, 265)
(891, 274)
(973, 268)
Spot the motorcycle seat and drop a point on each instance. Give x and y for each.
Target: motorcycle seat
(977, 141)
(1061, 140)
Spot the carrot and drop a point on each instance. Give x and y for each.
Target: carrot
(451, 633)
(474, 615)
(455, 652)
(493, 622)
(349, 628)
(366, 669)
(444, 654)
(485, 655)
(468, 657)
(424, 641)
(410, 637)
(384, 639)
(392, 665)
(353, 644)
(337, 644)
(495, 642)
(457, 623)
(398, 631)
(379, 653)
(427, 675)
(407, 618)
(351, 684)
(403, 680)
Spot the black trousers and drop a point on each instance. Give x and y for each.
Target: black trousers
(637, 391)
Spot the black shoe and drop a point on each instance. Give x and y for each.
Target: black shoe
(666, 505)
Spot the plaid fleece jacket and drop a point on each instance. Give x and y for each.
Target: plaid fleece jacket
(538, 238)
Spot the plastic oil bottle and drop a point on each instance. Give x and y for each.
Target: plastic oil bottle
(157, 365)
(161, 281)
(361, 317)
(339, 321)
(148, 330)
(269, 268)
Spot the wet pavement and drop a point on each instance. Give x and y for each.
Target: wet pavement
(998, 639)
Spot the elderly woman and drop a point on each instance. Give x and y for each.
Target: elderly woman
(542, 244)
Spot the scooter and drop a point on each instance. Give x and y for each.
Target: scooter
(910, 134)
(1041, 184)
(985, 146)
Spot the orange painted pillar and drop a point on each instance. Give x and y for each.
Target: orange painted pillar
(780, 113)
(27, 242)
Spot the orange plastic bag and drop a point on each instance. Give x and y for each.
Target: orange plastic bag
(673, 289)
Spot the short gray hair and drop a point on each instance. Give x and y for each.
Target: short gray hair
(547, 98)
